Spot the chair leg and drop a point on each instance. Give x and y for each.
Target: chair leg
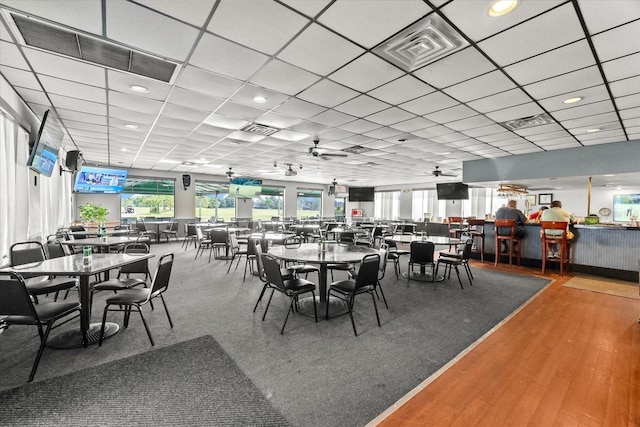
(146, 327)
(315, 310)
(268, 303)
(289, 311)
(350, 306)
(104, 319)
(264, 288)
(458, 274)
(166, 310)
(375, 306)
(379, 286)
(43, 342)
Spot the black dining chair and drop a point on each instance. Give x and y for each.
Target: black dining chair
(421, 254)
(128, 299)
(450, 260)
(170, 231)
(365, 282)
(17, 308)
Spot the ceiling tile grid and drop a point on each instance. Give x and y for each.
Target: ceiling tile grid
(311, 69)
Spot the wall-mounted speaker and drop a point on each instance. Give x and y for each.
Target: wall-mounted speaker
(186, 180)
(73, 160)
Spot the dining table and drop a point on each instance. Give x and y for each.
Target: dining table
(312, 253)
(104, 244)
(423, 275)
(74, 265)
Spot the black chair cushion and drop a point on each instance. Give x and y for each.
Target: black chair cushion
(298, 285)
(129, 296)
(46, 312)
(117, 284)
(349, 287)
(39, 287)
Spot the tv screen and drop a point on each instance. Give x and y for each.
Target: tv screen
(97, 180)
(247, 188)
(452, 191)
(626, 206)
(44, 152)
(361, 194)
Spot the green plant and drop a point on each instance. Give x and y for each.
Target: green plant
(93, 213)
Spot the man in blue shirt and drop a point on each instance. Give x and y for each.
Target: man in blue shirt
(510, 211)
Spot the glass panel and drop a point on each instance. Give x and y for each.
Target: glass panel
(213, 201)
(147, 198)
(269, 205)
(309, 203)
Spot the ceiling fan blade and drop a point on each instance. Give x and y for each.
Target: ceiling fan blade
(334, 154)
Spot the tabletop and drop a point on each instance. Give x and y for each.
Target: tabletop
(436, 240)
(73, 265)
(334, 253)
(99, 241)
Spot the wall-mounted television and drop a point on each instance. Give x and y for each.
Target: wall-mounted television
(98, 180)
(626, 206)
(452, 191)
(361, 194)
(44, 152)
(246, 188)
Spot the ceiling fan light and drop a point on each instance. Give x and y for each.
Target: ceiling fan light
(502, 7)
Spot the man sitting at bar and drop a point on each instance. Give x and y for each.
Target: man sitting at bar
(556, 213)
(510, 211)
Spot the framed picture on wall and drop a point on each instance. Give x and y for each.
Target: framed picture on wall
(545, 198)
(532, 199)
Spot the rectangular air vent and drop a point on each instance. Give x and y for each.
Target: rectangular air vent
(357, 149)
(92, 50)
(260, 129)
(527, 122)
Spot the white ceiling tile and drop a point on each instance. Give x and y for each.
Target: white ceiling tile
(366, 73)
(232, 109)
(473, 19)
(309, 8)
(180, 112)
(196, 14)
(484, 131)
(434, 132)
(549, 135)
(11, 56)
(622, 68)
(413, 125)
(239, 62)
(450, 114)
(159, 35)
(468, 63)
(81, 117)
(73, 89)
(625, 87)
(21, 78)
(563, 60)
(256, 32)
(65, 68)
(310, 128)
(278, 120)
(225, 122)
(576, 80)
(369, 23)
(328, 93)
(517, 112)
(609, 140)
(207, 83)
(589, 95)
(501, 100)
(188, 98)
(332, 118)
(390, 116)
(362, 106)
(630, 101)
(319, 50)
(246, 94)
(383, 133)
(401, 90)
(285, 78)
(78, 104)
(134, 102)
(487, 84)
(602, 15)
(584, 110)
(469, 123)
(122, 82)
(127, 114)
(545, 32)
(630, 113)
(429, 103)
(246, 136)
(590, 121)
(299, 108)
(360, 126)
(618, 41)
(540, 129)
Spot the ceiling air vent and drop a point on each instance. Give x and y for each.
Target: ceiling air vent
(260, 129)
(357, 149)
(527, 122)
(422, 43)
(93, 50)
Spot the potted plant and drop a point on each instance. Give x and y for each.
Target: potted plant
(93, 213)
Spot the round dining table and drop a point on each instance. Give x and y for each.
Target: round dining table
(333, 253)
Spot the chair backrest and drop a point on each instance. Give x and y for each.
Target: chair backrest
(257, 246)
(292, 242)
(140, 225)
(455, 222)
(476, 225)
(504, 224)
(199, 234)
(191, 229)
(368, 272)
(384, 256)
(466, 250)
(76, 228)
(15, 299)
(422, 252)
(347, 237)
(272, 271)
(233, 242)
(174, 226)
(218, 235)
(141, 266)
(26, 252)
(55, 250)
(162, 275)
(554, 228)
(378, 241)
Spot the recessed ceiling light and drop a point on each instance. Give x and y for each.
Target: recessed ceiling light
(259, 99)
(502, 7)
(138, 88)
(592, 130)
(124, 149)
(130, 126)
(572, 100)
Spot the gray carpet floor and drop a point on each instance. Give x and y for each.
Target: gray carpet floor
(314, 374)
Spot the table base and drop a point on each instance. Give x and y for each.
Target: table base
(336, 307)
(73, 338)
(420, 277)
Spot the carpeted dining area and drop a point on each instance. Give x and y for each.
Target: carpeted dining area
(314, 374)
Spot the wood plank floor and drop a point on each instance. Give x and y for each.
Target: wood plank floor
(569, 358)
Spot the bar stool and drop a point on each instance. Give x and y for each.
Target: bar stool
(455, 226)
(476, 230)
(511, 238)
(558, 237)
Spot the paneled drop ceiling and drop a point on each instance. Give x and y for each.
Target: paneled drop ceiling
(417, 84)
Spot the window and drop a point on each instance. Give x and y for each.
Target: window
(213, 201)
(309, 203)
(425, 203)
(147, 198)
(270, 204)
(387, 204)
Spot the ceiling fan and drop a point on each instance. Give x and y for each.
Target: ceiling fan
(316, 151)
(230, 174)
(437, 172)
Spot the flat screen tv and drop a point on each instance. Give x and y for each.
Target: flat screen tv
(625, 207)
(361, 194)
(245, 188)
(98, 180)
(44, 152)
(452, 191)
